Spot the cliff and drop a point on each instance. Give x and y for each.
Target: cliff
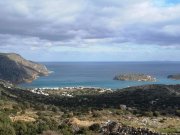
(16, 69)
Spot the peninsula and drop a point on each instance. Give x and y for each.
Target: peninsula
(16, 69)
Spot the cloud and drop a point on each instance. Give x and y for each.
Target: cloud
(43, 24)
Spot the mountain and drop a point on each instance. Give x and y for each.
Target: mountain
(16, 69)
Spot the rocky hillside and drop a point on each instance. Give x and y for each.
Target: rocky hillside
(16, 69)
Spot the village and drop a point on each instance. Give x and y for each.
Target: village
(70, 91)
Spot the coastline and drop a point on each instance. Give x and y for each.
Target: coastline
(64, 91)
(89, 74)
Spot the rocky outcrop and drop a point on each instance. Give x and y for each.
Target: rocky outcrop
(114, 128)
(135, 77)
(175, 77)
(16, 69)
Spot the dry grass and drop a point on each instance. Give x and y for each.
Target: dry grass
(81, 123)
(153, 123)
(22, 118)
(29, 116)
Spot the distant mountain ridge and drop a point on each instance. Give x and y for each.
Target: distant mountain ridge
(16, 69)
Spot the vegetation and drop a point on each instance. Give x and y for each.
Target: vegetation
(25, 113)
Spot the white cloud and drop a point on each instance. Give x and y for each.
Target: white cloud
(88, 25)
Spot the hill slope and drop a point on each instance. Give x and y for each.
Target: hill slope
(155, 107)
(162, 98)
(16, 69)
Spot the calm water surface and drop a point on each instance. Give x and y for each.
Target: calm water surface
(100, 74)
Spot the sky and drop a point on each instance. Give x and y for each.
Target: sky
(91, 30)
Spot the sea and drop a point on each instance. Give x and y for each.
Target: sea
(101, 74)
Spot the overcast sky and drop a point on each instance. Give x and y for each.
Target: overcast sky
(91, 30)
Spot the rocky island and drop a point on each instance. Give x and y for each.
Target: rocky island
(175, 77)
(139, 110)
(16, 69)
(135, 77)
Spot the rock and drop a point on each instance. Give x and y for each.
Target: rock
(175, 77)
(16, 69)
(135, 77)
(114, 128)
(123, 107)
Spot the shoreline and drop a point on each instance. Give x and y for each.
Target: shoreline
(67, 91)
(112, 84)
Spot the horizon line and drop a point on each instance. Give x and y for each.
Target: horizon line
(114, 61)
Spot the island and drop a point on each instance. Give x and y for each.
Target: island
(14, 68)
(139, 110)
(175, 77)
(135, 77)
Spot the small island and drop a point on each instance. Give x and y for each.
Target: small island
(135, 77)
(175, 77)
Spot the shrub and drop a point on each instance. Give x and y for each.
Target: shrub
(20, 128)
(156, 113)
(6, 130)
(94, 127)
(96, 114)
(55, 109)
(4, 119)
(31, 129)
(41, 126)
(148, 114)
(16, 107)
(178, 113)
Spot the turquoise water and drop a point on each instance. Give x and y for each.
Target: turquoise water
(100, 74)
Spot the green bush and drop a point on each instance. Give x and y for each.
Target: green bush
(41, 126)
(4, 119)
(65, 129)
(20, 127)
(31, 129)
(94, 127)
(148, 114)
(55, 109)
(7, 130)
(156, 114)
(178, 113)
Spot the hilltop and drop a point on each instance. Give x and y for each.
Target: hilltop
(16, 69)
